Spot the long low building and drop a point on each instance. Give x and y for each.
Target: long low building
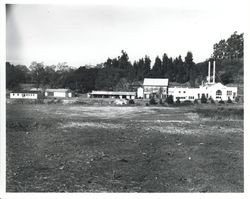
(215, 91)
(113, 94)
(59, 92)
(26, 95)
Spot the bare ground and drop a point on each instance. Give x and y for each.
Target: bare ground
(73, 148)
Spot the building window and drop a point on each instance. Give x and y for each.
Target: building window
(191, 97)
(229, 92)
(179, 91)
(218, 92)
(184, 91)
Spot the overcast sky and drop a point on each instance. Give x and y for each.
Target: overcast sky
(89, 34)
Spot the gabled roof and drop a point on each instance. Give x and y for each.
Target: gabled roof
(155, 82)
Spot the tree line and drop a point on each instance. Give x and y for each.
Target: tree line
(116, 73)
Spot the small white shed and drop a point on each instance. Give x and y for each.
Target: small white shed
(61, 93)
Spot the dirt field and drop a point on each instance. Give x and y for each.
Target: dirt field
(74, 148)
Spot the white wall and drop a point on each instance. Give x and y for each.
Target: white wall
(209, 91)
(183, 93)
(140, 92)
(60, 94)
(23, 95)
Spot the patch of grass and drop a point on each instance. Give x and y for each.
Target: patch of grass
(221, 113)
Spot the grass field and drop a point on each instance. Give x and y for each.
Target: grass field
(74, 148)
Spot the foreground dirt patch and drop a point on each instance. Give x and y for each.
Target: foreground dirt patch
(56, 148)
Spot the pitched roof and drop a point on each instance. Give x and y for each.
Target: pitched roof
(155, 82)
(112, 93)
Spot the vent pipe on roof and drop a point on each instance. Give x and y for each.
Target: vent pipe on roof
(214, 72)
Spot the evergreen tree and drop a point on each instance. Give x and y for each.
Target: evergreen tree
(190, 66)
(147, 66)
(157, 68)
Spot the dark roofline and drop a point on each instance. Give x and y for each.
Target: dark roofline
(26, 92)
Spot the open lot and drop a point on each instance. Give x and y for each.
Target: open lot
(75, 148)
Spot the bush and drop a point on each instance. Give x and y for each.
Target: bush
(160, 102)
(203, 99)
(237, 99)
(187, 102)
(170, 99)
(147, 104)
(178, 101)
(229, 101)
(212, 100)
(152, 101)
(196, 101)
(131, 101)
(221, 102)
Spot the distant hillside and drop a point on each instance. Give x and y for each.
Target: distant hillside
(227, 71)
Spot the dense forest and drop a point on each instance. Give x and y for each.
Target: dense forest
(119, 73)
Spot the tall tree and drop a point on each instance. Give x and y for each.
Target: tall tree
(157, 68)
(15, 75)
(37, 73)
(190, 65)
(232, 48)
(147, 66)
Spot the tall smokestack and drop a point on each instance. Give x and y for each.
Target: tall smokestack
(209, 72)
(214, 72)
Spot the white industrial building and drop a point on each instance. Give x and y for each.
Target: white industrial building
(155, 87)
(210, 89)
(61, 93)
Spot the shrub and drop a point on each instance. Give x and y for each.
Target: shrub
(131, 101)
(170, 99)
(221, 102)
(187, 102)
(178, 101)
(229, 101)
(237, 99)
(203, 99)
(147, 104)
(212, 100)
(152, 101)
(160, 102)
(196, 101)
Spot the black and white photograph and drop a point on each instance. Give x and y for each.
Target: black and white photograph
(125, 97)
